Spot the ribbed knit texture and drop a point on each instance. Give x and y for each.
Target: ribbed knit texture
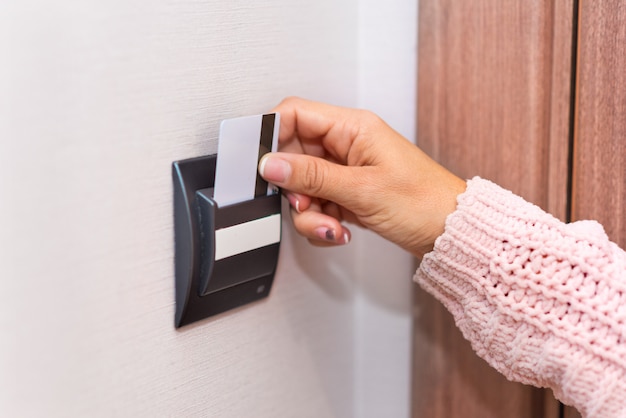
(543, 302)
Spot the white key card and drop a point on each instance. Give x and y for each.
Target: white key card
(242, 143)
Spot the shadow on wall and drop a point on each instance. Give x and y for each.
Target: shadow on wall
(387, 271)
(331, 269)
(380, 270)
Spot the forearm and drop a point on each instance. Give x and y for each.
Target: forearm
(543, 302)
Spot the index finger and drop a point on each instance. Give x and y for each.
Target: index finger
(318, 124)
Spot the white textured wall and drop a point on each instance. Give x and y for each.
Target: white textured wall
(387, 85)
(96, 100)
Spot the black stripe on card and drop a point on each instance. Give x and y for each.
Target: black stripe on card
(265, 146)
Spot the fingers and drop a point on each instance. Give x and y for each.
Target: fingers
(329, 153)
(315, 177)
(320, 228)
(319, 127)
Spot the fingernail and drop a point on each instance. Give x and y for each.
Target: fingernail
(274, 169)
(325, 233)
(294, 202)
(346, 238)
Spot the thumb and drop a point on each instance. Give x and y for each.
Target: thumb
(309, 175)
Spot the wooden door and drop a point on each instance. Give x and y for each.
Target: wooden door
(494, 99)
(532, 96)
(599, 163)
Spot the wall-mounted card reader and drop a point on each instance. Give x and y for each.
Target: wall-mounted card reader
(225, 256)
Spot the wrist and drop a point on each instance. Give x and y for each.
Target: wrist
(446, 205)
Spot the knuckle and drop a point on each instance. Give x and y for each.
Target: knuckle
(290, 100)
(352, 129)
(314, 176)
(368, 114)
(370, 120)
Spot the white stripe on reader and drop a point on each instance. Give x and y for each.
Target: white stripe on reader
(247, 236)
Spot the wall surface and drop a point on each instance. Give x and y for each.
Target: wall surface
(383, 304)
(96, 100)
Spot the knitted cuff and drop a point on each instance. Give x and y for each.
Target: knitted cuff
(540, 300)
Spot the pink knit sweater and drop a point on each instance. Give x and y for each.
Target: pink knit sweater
(543, 302)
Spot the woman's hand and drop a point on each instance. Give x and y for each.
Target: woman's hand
(338, 164)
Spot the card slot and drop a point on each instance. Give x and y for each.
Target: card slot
(240, 242)
(241, 268)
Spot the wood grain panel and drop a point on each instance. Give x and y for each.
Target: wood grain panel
(494, 82)
(493, 100)
(599, 186)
